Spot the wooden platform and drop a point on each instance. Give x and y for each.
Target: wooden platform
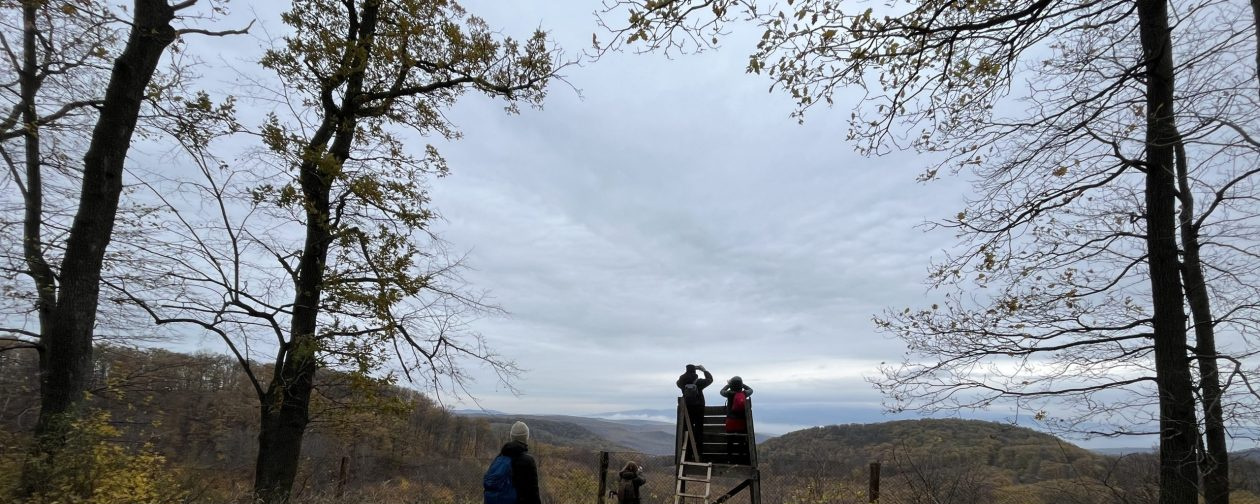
(724, 455)
(721, 447)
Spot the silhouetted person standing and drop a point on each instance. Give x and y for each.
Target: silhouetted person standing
(692, 387)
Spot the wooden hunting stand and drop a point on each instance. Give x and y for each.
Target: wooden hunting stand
(728, 455)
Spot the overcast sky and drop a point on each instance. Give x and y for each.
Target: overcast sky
(674, 213)
(664, 211)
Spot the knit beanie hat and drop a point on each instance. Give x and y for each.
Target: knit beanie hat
(520, 432)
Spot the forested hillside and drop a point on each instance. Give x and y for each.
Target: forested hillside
(558, 432)
(649, 437)
(199, 414)
(1022, 455)
(975, 461)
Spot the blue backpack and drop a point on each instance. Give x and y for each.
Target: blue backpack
(498, 482)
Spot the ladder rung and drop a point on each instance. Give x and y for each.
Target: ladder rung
(695, 496)
(688, 478)
(702, 464)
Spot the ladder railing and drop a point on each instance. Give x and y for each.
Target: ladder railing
(680, 488)
(694, 438)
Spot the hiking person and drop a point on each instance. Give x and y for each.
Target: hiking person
(513, 476)
(631, 480)
(737, 394)
(692, 387)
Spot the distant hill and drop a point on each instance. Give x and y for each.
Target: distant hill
(645, 415)
(1012, 453)
(575, 432)
(477, 412)
(624, 431)
(1252, 454)
(645, 436)
(660, 418)
(1124, 450)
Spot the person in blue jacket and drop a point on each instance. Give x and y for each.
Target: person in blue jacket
(524, 467)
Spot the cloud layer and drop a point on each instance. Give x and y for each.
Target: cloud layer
(673, 213)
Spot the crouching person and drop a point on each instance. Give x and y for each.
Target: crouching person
(631, 480)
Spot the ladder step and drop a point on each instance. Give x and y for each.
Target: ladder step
(694, 496)
(688, 478)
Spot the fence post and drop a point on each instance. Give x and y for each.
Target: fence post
(603, 475)
(874, 488)
(341, 477)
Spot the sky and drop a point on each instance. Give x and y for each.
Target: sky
(660, 211)
(673, 213)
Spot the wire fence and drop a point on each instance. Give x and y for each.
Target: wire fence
(902, 481)
(582, 477)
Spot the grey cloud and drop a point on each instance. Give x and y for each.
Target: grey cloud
(674, 213)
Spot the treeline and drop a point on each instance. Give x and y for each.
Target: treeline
(198, 413)
(98, 242)
(189, 419)
(1022, 455)
(968, 461)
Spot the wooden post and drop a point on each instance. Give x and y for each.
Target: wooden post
(341, 477)
(603, 476)
(680, 439)
(751, 434)
(874, 489)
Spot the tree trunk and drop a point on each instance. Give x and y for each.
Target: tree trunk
(1178, 473)
(284, 421)
(66, 336)
(285, 414)
(1255, 19)
(33, 195)
(1215, 462)
(280, 440)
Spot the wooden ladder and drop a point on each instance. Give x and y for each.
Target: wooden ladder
(680, 494)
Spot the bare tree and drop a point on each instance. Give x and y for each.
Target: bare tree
(1067, 285)
(940, 480)
(66, 293)
(322, 246)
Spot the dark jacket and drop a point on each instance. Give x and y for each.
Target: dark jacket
(524, 472)
(701, 383)
(632, 478)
